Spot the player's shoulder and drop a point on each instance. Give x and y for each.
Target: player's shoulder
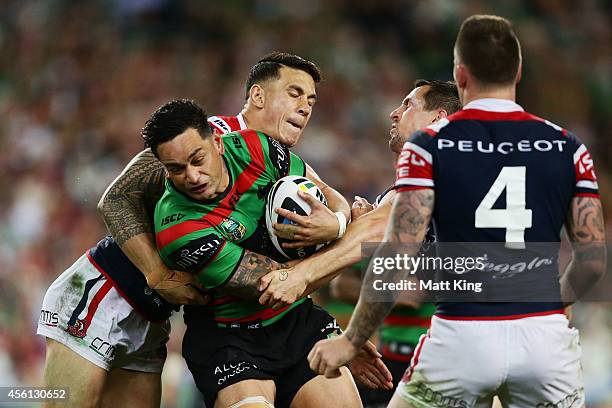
(507, 117)
(245, 141)
(225, 124)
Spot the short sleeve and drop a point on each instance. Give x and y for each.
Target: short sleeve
(284, 162)
(414, 169)
(584, 169)
(212, 258)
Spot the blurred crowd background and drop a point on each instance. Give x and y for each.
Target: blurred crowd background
(79, 79)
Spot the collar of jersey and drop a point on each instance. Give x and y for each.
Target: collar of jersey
(212, 200)
(241, 121)
(494, 105)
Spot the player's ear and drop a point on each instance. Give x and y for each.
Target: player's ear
(441, 114)
(257, 95)
(519, 74)
(218, 142)
(460, 74)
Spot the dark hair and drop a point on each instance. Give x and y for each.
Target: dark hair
(269, 65)
(488, 47)
(440, 95)
(171, 119)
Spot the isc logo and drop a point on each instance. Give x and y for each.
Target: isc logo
(172, 218)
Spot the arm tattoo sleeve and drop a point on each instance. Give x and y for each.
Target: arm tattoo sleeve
(244, 283)
(128, 203)
(586, 232)
(408, 224)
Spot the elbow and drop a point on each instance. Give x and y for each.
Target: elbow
(100, 207)
(592, 264)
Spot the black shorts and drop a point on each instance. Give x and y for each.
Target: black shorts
(380, 398)
(220, 357)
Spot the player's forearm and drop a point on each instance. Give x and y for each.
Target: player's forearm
(586, 232)
(336, 201)
(124, 204)
(326, 264)
(583, 272)
(346, 286)
(410, 217)
(244, 283)
(141, 250)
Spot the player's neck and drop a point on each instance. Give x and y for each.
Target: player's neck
(251, 119)
(472, 94)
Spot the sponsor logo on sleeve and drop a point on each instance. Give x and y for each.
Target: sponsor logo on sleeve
(220, 124)
(279, 155)
(196, 254)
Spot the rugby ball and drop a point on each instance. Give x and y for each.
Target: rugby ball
(284, 194)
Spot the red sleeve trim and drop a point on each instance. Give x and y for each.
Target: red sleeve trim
(593, 195)
(412, 188)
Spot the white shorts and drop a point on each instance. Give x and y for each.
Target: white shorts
(83, 311)
(528, 362)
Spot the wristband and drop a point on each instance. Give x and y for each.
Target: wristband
(342, 221)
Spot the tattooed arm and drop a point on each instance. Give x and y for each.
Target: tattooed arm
(410, 217)
(244, 282)
(127, 207)
(585, 229)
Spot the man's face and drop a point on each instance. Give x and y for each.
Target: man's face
(288, 104)
(409, 117)
(195, 164)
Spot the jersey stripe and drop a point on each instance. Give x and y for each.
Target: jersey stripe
(264, 314)
(244, 181)
(134, 305)
(415, 182)
(221, 300)
(95, 302)
(408, 321)
(505, 317)
(415, 359)
(483, 115)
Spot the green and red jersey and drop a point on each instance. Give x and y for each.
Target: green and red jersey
(209, 238)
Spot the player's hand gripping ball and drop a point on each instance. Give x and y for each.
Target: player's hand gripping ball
(284, 194)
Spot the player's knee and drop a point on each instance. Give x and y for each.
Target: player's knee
(253, 402)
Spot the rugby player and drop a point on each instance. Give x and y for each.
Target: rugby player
(208, 222)
(280, 97)
(523, 351)
(101, 309)
(399, 334)
(427, 103)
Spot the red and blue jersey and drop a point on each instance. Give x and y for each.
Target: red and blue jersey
(500, 175)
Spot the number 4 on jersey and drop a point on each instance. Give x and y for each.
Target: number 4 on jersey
(515, 217)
